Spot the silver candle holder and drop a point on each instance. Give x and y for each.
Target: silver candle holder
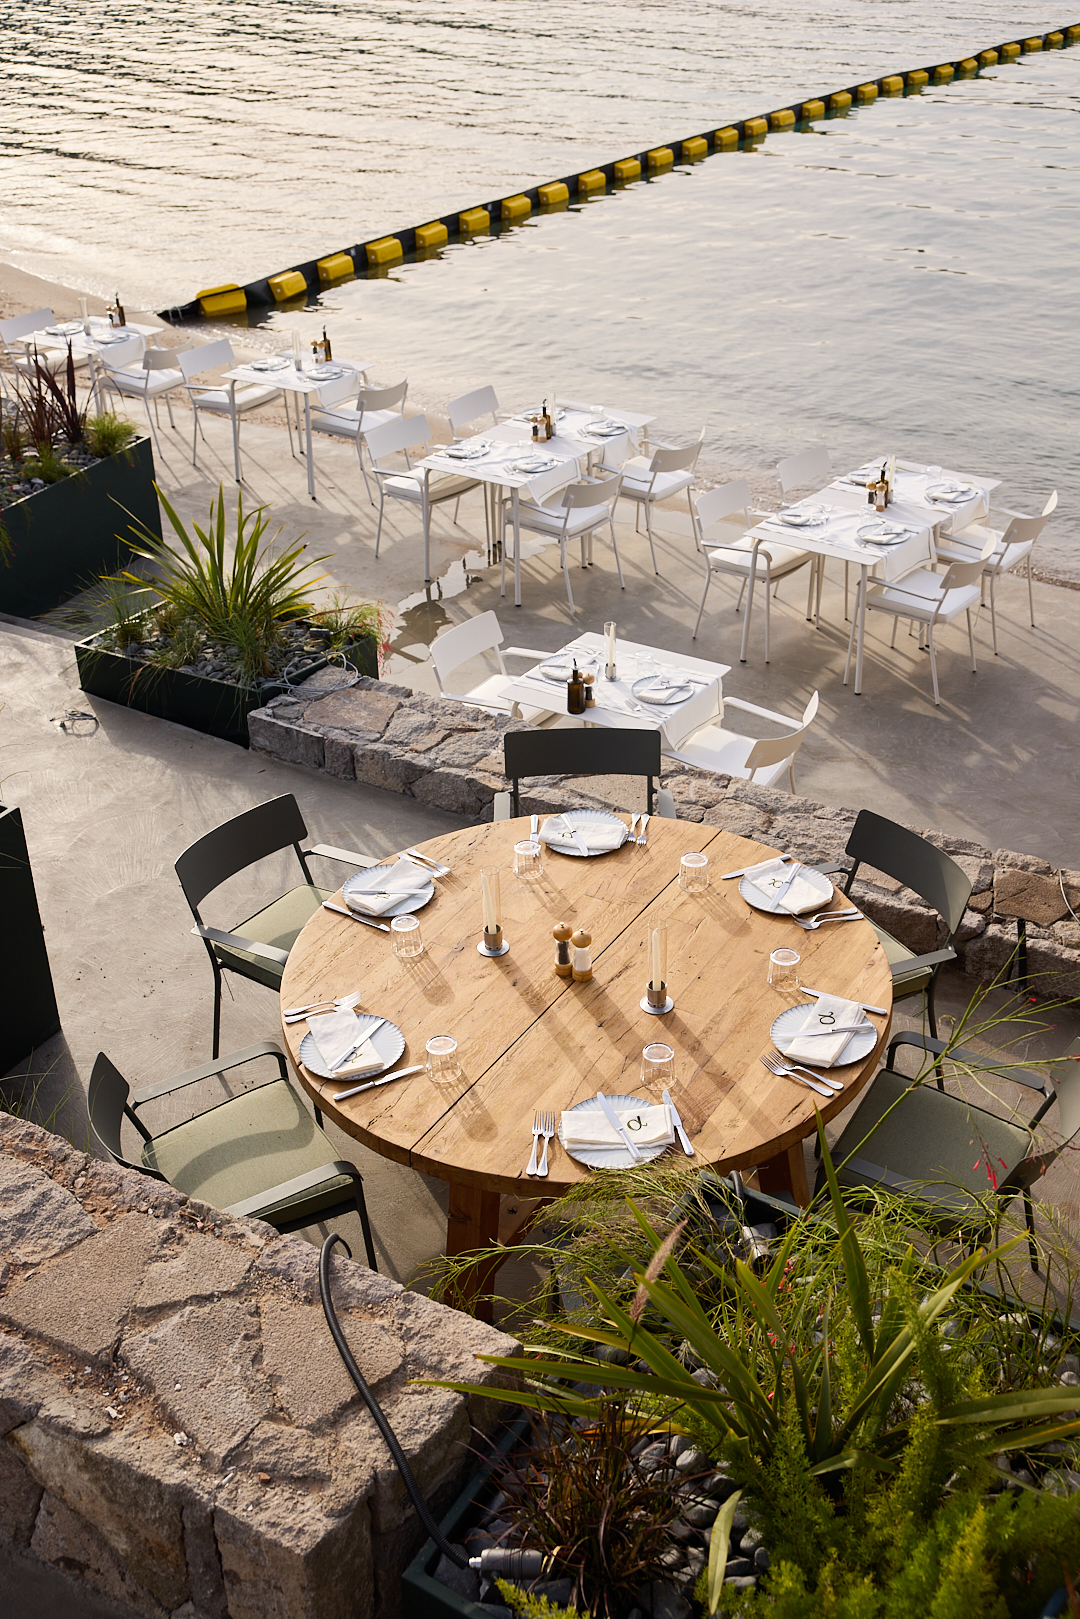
(656, 998)
(492, 943)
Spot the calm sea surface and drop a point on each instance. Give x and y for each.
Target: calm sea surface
(893, 279)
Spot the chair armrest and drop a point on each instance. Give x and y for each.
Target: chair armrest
(348, 856)
(665, 804)
(762, 713)
(207, 1070)
(501, 807)
(294, 1188)
(525, 652)
(970, 1059)
(829, 871)
(236, 941)
(935, 958)
(899, 1183)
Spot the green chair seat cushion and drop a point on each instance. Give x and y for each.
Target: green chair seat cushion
(932, 1137)
(248, 1145)
(905, 983)
(278, 925)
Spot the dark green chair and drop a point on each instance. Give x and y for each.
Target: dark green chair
(943, 1151)
(259, 1154)
(928, 872)
(260, 949)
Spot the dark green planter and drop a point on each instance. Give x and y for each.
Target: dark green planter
(212, 706)
(60, 540)
(30, 1014)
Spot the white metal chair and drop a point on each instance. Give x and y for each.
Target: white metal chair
(810, 469)
(730, 754)
(151, 377)
(930, 599)
(470, 407)
(52, 354)
(223, 398)
(460, 644)
(1014, 545)
(746, 558)
(367, 408)
(649, 479)
(575, 513)
(419, 488)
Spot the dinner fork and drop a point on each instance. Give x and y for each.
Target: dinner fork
(547, 1130)
(777, 1064)
(344, 1003)
(641, 838)
(630, 838)
(809, 923)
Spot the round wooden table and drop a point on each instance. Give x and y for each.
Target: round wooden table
(530, 1040)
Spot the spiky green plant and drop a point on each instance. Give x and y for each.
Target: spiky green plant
(108, 434)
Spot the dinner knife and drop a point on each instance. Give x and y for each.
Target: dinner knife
(355, 1048)
(726, 875)
(368, 922)
(617, 1124)
(818, 993)
(399, 1073)
(573, 832)
(683, 1137)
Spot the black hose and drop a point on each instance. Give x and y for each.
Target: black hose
(376, 1409)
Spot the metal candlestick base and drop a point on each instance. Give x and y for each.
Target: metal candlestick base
(498, 948)
(609, 672)
(657, 1001)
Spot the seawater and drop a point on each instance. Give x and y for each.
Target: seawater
(893, 279)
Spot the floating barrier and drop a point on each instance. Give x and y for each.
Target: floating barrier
(231, 301)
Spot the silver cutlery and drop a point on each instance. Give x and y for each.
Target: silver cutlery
(571, 832)
(821, 917)
(537, 1131)
(342, 1060)
(617, 1124)
(683, 1137)
(384, 1079)
(818, 993)
(834, 1028)
(547, 1130)
(534, 825)
(426, 860)
(630, 838)
(725, 876)
(344, 1003)
(369, 922)
(777, 1060)
(789, 1073)
(641, 839)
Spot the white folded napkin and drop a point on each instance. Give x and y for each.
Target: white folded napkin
(335, 1033)
(405, 878)
(769, 879)
(807, 1044)
(648, 1126)
(600, 837)
(660, 686)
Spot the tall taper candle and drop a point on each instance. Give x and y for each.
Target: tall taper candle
(296, 354)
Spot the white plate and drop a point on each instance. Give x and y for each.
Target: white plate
(950, 491)
(822, 884)
(673, 691)
(528, 464)
(328, 370)
(784, 1028)
(588, 817)
(559, 670)
(802, 516)
(469, 452)
(117, 337)
(354, 898)
(273, 362)
(883, 533)
(388, 1040)
(64, 328)
(536, 410)
(608, 1157)
(605, 429)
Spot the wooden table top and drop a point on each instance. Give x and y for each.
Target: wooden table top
(528, 1039)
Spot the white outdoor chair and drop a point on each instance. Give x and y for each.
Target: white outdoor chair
(224, 398)
(1014, 545)
(746, 558)
(730, 754)
(52, 353)
(930, 599)
(151, 376)
(577, 511)
(470, 407)
(460, 644)
(810, 469)
(398, 437)
(366, 408)
(649, 479)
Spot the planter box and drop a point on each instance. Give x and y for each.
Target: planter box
(212, 706)
(30, 1015)
(64, 537)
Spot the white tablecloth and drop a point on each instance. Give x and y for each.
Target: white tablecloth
(910, 505)
(838, 537)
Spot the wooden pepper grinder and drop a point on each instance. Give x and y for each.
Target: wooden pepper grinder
(563, 964)
(581, 970)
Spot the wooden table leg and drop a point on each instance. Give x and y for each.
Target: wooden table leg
(472, 1221)
(786, 1173)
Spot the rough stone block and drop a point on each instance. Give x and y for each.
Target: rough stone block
(20, 1497)
(458, 791)
(915, 926)
(288, 1454)
(198, 1268)
(415, 730)
(38, 1219)
(1012, 860)
(304, 1368)
(354, 1287)
(972, 923)
(432, 1427)
(378, 765)
(63, 1539)
(289, 1562)
(29, 1389)
(986, 956)
(203, 1563)
(292, 743)
(338, 755)
(463, 750)
(1029, 894)
(364, 712)
(742, 820)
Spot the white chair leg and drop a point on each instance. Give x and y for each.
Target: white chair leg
(971, 644)
(1031, 594)
(933, 667)
(648, 527)
(851, 639)
(457, 508)
(766, 627)
(704, 593)
(378, 530)
(615, 548)
(566, 572)
(363, 469)
(236, 444)
(892, 639)
(168, 407)
(993, 613)
(153, 429)
(748, 615)
(820, 571)
(742, 593)
(194, 436)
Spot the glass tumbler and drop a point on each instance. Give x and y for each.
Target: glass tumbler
(442, 1059)
(694, 873)
(784, 970)
(405, 940)
(658, 1067)
(528, 858)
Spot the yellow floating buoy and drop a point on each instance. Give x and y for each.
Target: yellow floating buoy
(661, 157)
(726, 140)
(289, 284)
(944, 73)
(554, 194)
(840, 102)
(893, 85)
(1009, 52)
(1033, 44)
(1073, 34)
(335, 266)
(987, 58)
(627, 168)
(225, 300)
(967, 66)
(591, 180)
(867, 92)
(784, 119)
(813, 109)
(384, 251)
(474, 221)
(694, 148)
(1054, 41)
(753, 128)
(518, 207)
(433, 235)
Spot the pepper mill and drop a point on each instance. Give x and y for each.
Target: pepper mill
(563, 965)
(581, 968)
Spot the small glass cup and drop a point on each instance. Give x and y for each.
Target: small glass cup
(528, 858)
(405, 939)
(694, 873)
(658, 1067)
(784, 971)
(442, 1059)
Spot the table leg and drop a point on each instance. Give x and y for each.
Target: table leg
(517, 549)
(786, 1173)
(472, 1221)
(863, 577)
(307, 441)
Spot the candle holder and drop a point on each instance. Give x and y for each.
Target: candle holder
(656, 998)
(492, 943)
(609, 647)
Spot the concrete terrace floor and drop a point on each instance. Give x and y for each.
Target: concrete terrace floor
(109, 805)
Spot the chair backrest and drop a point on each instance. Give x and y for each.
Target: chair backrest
(392, 398)
(464, 641)
(593, 752)
(960, 574)
(676, 460)
(207, 357)
(156, 359)
(17, 326)
(120, 355)
(467, 407)
(773, 750)
(338, 390)
(1051, 504)
(249, 837)
(106, 1099)
(716, 504)
(911, 860)
(1022, 531)
(812, 465)
(404, 433)
(600, 492)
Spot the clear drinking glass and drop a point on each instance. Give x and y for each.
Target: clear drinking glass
(784, 970)
(694, 873)
(442, 1059)
(528, 858)
(405, 940)
(658, 1067)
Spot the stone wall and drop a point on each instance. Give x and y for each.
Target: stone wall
(450, 756)
(177, 1429)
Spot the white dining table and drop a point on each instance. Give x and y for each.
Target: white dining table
(302, 384)
(100, 338)
(616, 704)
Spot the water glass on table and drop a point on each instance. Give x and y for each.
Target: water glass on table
(405, 939)
(658, 1067)
(694, 873)
(784, 971)
(442, 1060)
(528, 858)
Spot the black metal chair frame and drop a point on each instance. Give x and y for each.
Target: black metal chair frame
(595, 751)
